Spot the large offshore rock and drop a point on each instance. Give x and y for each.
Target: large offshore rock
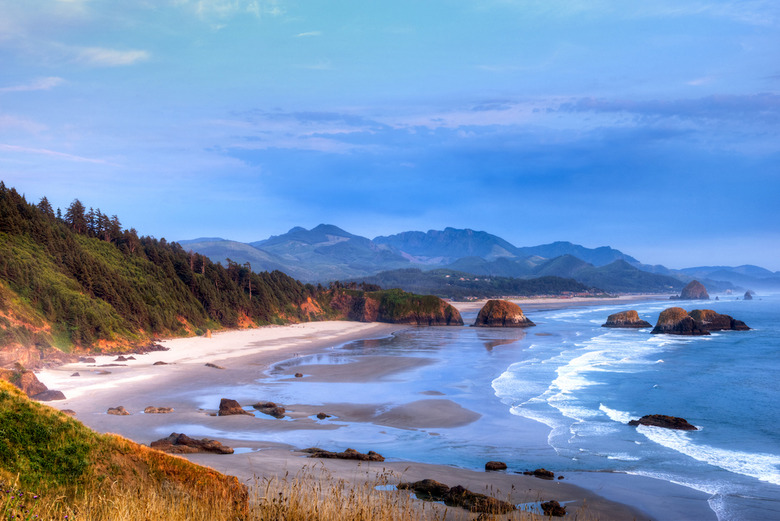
(677, 321)
(502, 313)
(667, 422)
(695, 290)
(626, 319)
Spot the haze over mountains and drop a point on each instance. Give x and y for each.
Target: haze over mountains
(327, 253)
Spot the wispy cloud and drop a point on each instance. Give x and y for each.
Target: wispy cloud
(222, 9)
(15, 124)
(101, 56)
(53, 153)
(39, 84)
(308, 34)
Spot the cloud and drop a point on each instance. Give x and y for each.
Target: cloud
(52, 153)
(16, 124)
(308, 34)
(39, 84)
(222, 9)
(101, 56)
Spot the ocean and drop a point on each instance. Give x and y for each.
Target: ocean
(559, 396)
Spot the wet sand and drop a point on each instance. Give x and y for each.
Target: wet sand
(249, 355)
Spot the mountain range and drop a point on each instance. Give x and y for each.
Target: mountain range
(327, 252)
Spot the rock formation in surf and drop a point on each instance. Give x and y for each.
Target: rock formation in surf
(695, 290)
(501, 313)
(626, 319)
(182, 444)
(667, 422)
(677, 321)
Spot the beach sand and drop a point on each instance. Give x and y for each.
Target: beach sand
(248, 355)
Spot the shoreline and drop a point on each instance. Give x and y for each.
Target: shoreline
(247, 355)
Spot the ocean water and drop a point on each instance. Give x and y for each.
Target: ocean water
(559, 396)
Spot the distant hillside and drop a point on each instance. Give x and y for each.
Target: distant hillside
(600, 256)
(457, 285)
(443, 247)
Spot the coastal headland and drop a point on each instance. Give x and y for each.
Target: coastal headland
(239, 359)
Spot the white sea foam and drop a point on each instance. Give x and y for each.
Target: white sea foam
(762, 466)
(615, 415)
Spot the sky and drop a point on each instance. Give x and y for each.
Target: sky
(652, 127)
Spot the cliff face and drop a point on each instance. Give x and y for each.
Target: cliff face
(502, 313)
(626, 319)
(677, 321)
(395, 307)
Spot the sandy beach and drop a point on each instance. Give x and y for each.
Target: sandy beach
(176, 378)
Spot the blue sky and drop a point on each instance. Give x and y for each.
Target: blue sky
(652, 127)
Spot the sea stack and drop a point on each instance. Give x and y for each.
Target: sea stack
(626, 319)
(677, 321)
(709, 320)
(501, 313)
(748, 295)
(695, 290)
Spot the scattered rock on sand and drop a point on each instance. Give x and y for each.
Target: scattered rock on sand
(86, 360)
(501, 313)
(667, 422)
(347, 454)
(118, 411)
(228, 407)
(298, 375)
(182, 444)
(215, 366)
(322, 415)
(553, 509)
(158, 410)
(49, 395)
(626, 319)
(431, 490)
(495, 465)
(76, 374)
(540, 473)
(270, 408)
(160, 363)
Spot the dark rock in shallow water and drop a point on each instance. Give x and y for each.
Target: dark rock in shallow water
(270, 408)
(553, 509)
(322, 416)
(667, 422)
(502, 313)
(541, 473)
(748, 295)
(158, 410)
(677, 321)
(495, 465)
(228, 407)
(347, 454)
(431, 490)
(626, 319)
(118, 411)
(182, 444)
(214, 366)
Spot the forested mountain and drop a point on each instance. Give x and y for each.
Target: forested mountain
(448, 245)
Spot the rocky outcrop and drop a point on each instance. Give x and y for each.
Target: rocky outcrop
(30, 385)
(540, 473)
(695, 290)
(158, 410)
(322, 416)
(228, 407)
(626, 319)
(213, 366)
(395, 307)
(709, 320)
(271, 409)
(667, 422)
(431, 490)
(677, 321)
(118, 411)
(748, 295)
(501, 313)
(49, 395)
(350, 454)
(182, 444)
(495, 465)
(553, 509)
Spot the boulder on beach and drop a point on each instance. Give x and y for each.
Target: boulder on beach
(158, 410)
(270, 408)
(540, 473)
(667, 422)
(118, 411)
(495, 465)
(228, 407)
(49, 395)
(432, 490)
(214, 366)
(626, 319)
(350, 454)
(322, 416)
(502, 313)
(553, 509)
(677, 321)
(695, 290)
(178, 443)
